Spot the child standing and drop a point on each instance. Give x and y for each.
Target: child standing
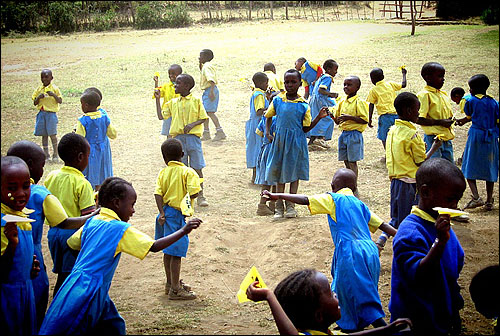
(83, 305)
(47, 98)
(75, 193)
(262, 208)
(188, 115)
(208, 84)
(288, 160)
(310, 72)
(167, 92)
(382, 97)
(427, 256)
(276, 85)
(480, 160)
(173, 183)
(355, 262)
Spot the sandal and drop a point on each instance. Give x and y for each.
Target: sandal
(489, 205)
(474, 203)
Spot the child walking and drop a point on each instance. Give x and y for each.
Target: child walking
(355, 262)
(310, 72)
(83, 305)
(480, 161)
(167, 92)
(47, 98)
(173, 183)
(96, 127)
(288, 160)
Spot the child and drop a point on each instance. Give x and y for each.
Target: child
(75, 193)
(96, 90)
(320, 97)
(260, 172)
(258, 105)
(275, 82)
(382, 97)
(427, 256)
(480, 161)
(19, 264)
(304, 304)
(188, 115)
(310, 72)
(288, 160)
(45, 207)
(484, 293)
(208, 84)
(83, 305)
(435, 115)
(355, 262)
(173, 183)
(47, 98)
(96, 127)
(167, 92)
(457, 96)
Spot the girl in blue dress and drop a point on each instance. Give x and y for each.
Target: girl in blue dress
(309, 72)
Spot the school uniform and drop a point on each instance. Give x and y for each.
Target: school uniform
(167, 92)
(382, 96)
(260, 170)
(324, 127)
(253, 142)
(309, 72)
(275, 83)
(46, 119)
(208, 74)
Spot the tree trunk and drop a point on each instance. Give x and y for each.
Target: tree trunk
(412, 13)
(271, 5)
(249, 10)
(286, 10)
(209, 11)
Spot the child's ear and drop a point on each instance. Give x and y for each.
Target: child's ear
(425, 191)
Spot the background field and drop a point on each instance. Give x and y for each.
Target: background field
(232, 239)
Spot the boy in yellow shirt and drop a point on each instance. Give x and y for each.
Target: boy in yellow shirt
(276, 85)
(167, 92)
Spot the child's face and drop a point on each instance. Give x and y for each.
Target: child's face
(203, 58)
(125, 207)
(412, 112)
(182, 86)
(292, 83)
(445, 195)
(263, 85)
(329, 304)
(172, 74)
(15, 186)
(332, 71)
(456, 99)
(299, 64)
(46, 77)
(436, 78)
(351, 86)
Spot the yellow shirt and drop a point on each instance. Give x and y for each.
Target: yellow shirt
(52, 209)
(174, 181)
(110, 132)
(133, 242)
(275, 83)
(167, 92)
(208, 75)
(422, 214)
(404, 150)
(25, 226)
(353, 106)
(47, 103)
(72, 189)
(435, 104)
(184, 111)
(272, 112)
(382, 95)
(324, 204)
(259, 101)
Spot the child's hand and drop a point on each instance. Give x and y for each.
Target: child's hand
(334, 95)
(155, 78)
(162, 219)
(446, 122)
(40, 96)
(157, 93)
(443, 227)
(343, 117)
(399, 325)
(35, 268)
(50, 93)
(11, 233)
(270, 137)
(268, 194)
(324, 112)
(188, 128)
(257, 294)
(403, 71)
(192, 224)
(370, 123)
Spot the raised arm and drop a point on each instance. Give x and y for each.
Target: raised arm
(403, 82)
(429, 263)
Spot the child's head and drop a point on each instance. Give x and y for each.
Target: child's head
(292, 81)
(90, 101)
(46, 77)
(440, 183)
(183, 84)
(206, 55)
(96, 90)
(15, 182)
(330, 67)
(74, 150)
(478, 84)
(32, 154)
(299, 63)
(308, 301)
(433, 74)
(171, 149)
(173, 71)
(344, 178)
(407, 106)
(456, 94)
(376, 75)
(260, 80)
(118, 195)
(270, 67)
(351, 85)
(484, 291)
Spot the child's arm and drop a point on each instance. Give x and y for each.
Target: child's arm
(211, 94)
(37, 99)
(435, 122)
(75, 223)
(35, 267)
(158, 105)
(327, 93)
(463, 121)
(435, 146)
(159, 205)
(403, 82)
(295, 198)
(269, 122)
(88, 210)
(356, 119)
(56, 97)
(371, 107)
(387, 228)
(390, 329)
(162, 243)
(321, 114)
(190, 126)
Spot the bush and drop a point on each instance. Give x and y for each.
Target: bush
(147, 16)
(19, 16)
(490, 16)
(104, 21)
(62, 15)
(177, 16)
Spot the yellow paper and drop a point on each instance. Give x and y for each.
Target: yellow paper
(157, 74)
(15, 219)
(451, 212)
(253, 275)
(402, 67)
(186, 207)
(440, 136)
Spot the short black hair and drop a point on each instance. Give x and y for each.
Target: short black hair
(189, 78)
(259, 78)
(209, 53)
(94, 89)
(484, 291)
(329, 63)
(92, 98)
(11, 160)
(27, 150)
(435, 171)
(295, 72)
(70, 145)
(171, 149)
(47, 70)
(457, 91)
(479, 83)
(302, 59)
(175, 67)
(269, 67)
(376, 75)
(356, 78)
(428, 68)
(112, 188)
(404, 100)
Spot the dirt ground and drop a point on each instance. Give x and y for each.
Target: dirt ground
(232, 238)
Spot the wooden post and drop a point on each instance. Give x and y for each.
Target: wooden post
(286, 10)
(271, 5)
(249, 10)
(209, 11)
(412, 13)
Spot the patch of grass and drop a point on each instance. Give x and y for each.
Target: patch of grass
(222, 249)
(70, 92)
(489, 39)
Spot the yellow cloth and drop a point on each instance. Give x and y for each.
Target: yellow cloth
(435, 104)
(259, 102)
(167, 92)
(272, 112)
(461, 105)
(316, 332)
(422, 214)
(184, 111)
(382, 95)
(110, 132)
(174, 181)
(404, 149)
(324, 204)
(53, 211)
(47, 103)
(208, 75)
(72, 189)
(275, 82)
(25, 226)
(353, 106)
(133, 242)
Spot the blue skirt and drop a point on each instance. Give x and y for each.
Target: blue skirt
(253, 142)
(480, 160)
(324, 127)
(174, 221)
(260, 171)
(61, 253)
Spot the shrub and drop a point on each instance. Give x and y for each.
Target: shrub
(105, 21)
(148, 16)
(490, 16)
(62, 16)
(177, 16)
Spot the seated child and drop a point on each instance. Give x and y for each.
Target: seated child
(310, 72)
(484, 293)
(276, 85)
(427, 256)
(167, 92)
(355, 262)
(457, 96)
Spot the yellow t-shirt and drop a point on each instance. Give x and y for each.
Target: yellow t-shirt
(25, 226)
(208, 75)
(133, 242)
(167, 92)
(47, 103)
(404, 150)
(382, 95)
(184, 111)
(110, 132)
(174, 181)
(259, 101)
(353, 106)
(52, 209)
(72, 189)
(435, 104)
(275, 83)
(324, 204)
(272, 112)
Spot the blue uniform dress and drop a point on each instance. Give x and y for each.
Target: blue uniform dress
(253, 140)
(309, 74)
(82, 305)
(289, 157)
(100, 164)
(18, 311)
(260, 171)
(324, 127)
(480, 159)
(355, 264)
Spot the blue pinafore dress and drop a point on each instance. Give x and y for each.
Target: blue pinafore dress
(355, 264)
(309, 74)
(324, 127)
(260, 171)
(253, 140)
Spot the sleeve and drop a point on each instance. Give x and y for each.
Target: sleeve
(409, 248)
(166, 110)
(374, 222)
(209, 73)
(307, 117)
(111, 132)
(466, 108)
(35, 93)
(362, 109)
(417, 148)
(305, 83)
(325, 83)
(461, 105)
(75, 241)
(192, 182)
(135, 243)
(159, 179)
(372, 96)
(396, 86)
(86, 199)
(321, 204)
(57, 91)
(270, 110)
(5, 241)
(80, 129)
(424, 105)
(53, 210)
(259, 102)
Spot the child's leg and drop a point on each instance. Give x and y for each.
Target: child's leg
(473, 188)
(254, 172)
(352, 166)
(175, 272)
(290, 206)
(202, 201)
(476, 201)
(489, 195)
(219, 133)
(166, 264)
(53, 139)
(262, 208)
(45, 146)
(280, 208)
